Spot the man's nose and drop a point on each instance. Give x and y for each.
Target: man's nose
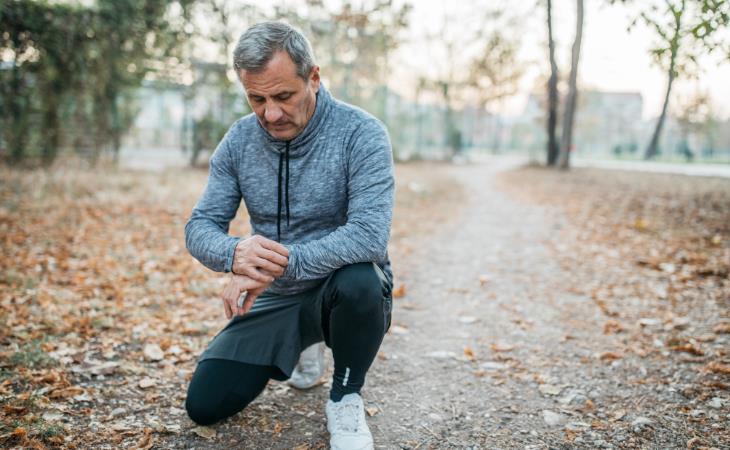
(272, 113)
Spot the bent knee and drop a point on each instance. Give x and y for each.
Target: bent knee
(360, 285)
(201, 411)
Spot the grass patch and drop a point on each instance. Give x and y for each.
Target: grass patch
(32, 356)
(16, 279)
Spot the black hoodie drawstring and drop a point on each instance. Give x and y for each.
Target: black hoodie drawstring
(282, 156)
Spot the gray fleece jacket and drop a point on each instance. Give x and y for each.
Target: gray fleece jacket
(327, 194)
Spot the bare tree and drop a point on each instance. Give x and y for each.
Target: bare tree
(552, 86)
(566, 139)
(685, 30)
(490, 54)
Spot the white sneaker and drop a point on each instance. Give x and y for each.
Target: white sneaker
(310, 368)
(346, 424)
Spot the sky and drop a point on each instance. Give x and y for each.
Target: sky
(612, 59)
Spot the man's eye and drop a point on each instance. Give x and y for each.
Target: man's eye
(283, 96)
(257, 99)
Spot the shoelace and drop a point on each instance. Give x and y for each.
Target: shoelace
(346, 414)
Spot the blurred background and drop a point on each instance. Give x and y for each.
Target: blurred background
(150, 82)
(536, 308)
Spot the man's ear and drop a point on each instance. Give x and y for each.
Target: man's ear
(314, 78)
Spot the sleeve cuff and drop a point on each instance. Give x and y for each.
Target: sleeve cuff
(290, 271)
(228, 267)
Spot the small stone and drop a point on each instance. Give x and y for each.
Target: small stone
(435, 417)
(118, 412)
(574, 398)
(467, 319)
(52, 416)
(552, 418)
(120, 426)
(441, 354)
(697, 413)
(577, 426)
(176, 411)
(715, 403)
(649, 322)
(145, 383)
(153, 352)
(492, 365)
(640, 422)
(680, 323)
(549, 389)
(397, 329)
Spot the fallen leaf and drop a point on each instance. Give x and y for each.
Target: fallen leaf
(146, 442)
(372, 411)
(641, 224)
(612, 327)
(205, 432)
(400, 291)
(717, 367)
(688, 348)
(469, 353)
(609, 356)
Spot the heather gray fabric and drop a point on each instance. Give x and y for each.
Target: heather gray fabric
(340, 194)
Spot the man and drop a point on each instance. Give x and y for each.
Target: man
(316, 176)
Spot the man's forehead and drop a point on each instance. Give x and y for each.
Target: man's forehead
(279, 74)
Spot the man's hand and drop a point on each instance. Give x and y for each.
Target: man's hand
(238, 285)
(260, 259)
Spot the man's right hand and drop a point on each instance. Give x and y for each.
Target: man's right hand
(260, 259)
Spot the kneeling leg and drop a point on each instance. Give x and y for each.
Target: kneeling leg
(220, 388)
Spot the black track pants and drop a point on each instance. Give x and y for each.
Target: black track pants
(355, 316)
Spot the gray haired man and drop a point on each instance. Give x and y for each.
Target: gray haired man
(316, 176)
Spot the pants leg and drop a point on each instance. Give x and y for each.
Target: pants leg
(220, 388)
(355, 316)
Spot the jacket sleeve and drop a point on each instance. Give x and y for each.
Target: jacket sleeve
(364, 237)
(206, 232)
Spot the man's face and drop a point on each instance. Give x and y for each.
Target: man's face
(282, 101)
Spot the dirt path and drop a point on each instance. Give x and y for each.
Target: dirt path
(498, 345)
(485, 324)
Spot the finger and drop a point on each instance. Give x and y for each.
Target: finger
(275, 246)
(226, 308)
(250, 299)
(268, 267)
(255, 275)
(274, 257)
(224, 297)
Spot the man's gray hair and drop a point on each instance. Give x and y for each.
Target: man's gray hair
(256, 47)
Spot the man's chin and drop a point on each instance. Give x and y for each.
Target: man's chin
(283, 135)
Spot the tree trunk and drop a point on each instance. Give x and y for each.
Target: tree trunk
(51, 131)
(552, 146)
(653, 149)
(569, 117)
